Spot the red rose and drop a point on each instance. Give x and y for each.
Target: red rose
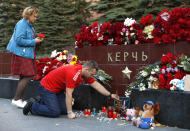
(95, 24)
(179, 75)
(105, 40)
(147, 20)
(169, 77)
(118, 40)
(157, 40)
(162, 81)
(41, 35)
(83, 28)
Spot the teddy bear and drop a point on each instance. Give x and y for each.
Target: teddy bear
(145, 118)
(177, 84)
(131, 114)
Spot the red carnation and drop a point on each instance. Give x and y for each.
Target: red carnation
(147, 20)
(41, 35)
(162, 81)
(95, 24)
(118, 40)
(157, 40)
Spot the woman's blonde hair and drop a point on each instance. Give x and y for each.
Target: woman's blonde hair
(28, 11)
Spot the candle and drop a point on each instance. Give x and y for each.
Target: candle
(114, 115)
(94, 111)
(86, 112)
(110, 112)
(89, 112)
(104, 109)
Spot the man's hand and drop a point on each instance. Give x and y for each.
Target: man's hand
(71, 115)
(115, 96)
(97, 86)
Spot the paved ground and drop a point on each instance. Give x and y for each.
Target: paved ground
(12, 119)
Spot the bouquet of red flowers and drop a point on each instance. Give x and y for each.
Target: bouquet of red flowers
(57, 59)
(40, 35)
(168, 27)
(160, 74)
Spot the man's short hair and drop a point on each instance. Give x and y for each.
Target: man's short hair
(91, 65)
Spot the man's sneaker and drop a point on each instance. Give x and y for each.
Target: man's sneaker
(19, 103)
(37, 99)
(27, 108)
(24, 102)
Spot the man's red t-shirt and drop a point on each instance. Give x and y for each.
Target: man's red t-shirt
(65, 76)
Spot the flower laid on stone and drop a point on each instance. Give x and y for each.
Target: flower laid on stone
(57, 59)
(162, 73)
(168, 27)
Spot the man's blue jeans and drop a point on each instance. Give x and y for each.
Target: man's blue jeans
(51, 104)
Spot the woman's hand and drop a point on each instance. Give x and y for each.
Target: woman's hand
(71, 115)
(38, 40)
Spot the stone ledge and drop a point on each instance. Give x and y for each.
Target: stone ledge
(85, 96)
(8, 88)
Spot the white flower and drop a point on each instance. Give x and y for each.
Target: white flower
(157, 69)
(151, 78)
(101, 38)
(44, 70)
(150, 36)
(141, 85)
(149, 84)
(76, 44)
(127, 33)
(101, 78)
(65, 51)
(129, 22)
(148, 30)
(142, 88)
(127, 94)
(153, 72)
(61, 57)
(136, 42)
(132, 34)
(92, 31)
(144, 73)
(54, 53)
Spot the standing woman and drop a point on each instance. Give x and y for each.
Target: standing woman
(22, 45)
